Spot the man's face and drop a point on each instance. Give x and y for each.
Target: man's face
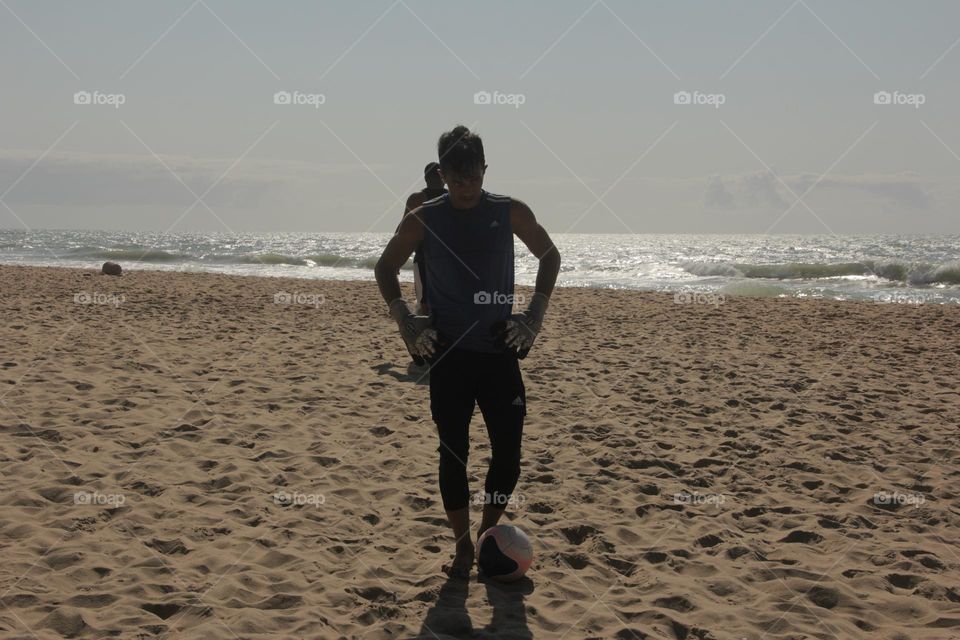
(464, 187)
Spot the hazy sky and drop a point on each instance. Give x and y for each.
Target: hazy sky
(599, 143)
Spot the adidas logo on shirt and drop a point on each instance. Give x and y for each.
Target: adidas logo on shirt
(494, 224)
(518, 401)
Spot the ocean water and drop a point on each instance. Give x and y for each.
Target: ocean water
(906, 269)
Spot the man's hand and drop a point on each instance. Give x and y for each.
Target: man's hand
(522, 328)
(418, 334)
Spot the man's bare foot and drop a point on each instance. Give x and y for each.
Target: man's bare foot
(462, 562)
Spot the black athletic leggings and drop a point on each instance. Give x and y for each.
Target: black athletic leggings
(459, 379)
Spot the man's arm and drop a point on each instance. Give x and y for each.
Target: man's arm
(417, 332)
(414, 200)
(408, 237)
(538, 241)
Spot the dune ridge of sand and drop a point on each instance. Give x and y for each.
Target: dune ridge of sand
(183, 457)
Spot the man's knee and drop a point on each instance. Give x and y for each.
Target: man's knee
(506, 452)
(453, 457)
(505, 468)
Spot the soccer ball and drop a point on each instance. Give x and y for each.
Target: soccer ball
(504, 553)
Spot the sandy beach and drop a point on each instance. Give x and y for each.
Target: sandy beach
(192, 455)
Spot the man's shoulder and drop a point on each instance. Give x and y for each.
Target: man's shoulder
(498, 197)
(433, 202)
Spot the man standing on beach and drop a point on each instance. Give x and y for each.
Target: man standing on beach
(471, 339)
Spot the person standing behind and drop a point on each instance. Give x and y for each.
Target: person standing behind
(434, 189)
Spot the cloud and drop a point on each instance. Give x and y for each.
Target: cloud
(763, 189)
(79, 179)
(745, 191)
(903, 189)
(716, 195)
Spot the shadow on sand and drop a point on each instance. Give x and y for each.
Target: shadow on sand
(448, 618)
(411, 373)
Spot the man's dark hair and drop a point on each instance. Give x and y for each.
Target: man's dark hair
(460, 151)
(430, 171)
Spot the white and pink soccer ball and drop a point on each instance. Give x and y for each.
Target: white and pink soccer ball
(504, 553)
